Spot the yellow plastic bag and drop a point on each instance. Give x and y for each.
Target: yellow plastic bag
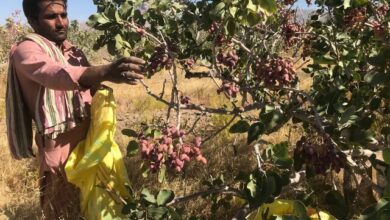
(96, 165)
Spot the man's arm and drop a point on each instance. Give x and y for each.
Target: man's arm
(124, 70)
(32, 62)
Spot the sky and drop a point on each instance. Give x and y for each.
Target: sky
(77, 9)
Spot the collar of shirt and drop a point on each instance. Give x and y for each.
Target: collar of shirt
(66, 46)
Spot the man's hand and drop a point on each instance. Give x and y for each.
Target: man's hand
(125, 70)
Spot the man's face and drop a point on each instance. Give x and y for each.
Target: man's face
(52, 21)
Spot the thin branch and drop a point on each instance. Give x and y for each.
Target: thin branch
(242, 45)
(200, 108)
(134, 26)
(222, 190)
(194, 125)
(302, 65)
(162, 37)
(176, 94)
(149, 92)
(258, 157)
(163, 88)
(221, 129)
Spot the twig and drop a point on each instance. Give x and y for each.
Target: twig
(163, 88)
(258, 157)
(194, 107)
(162, 37)
(302, 65)
(222, 190)
(176, 94)
(134, 26)
(221, 129)
(242, 45)
(194, 125)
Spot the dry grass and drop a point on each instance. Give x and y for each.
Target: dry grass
(19, 196)
(226, 154)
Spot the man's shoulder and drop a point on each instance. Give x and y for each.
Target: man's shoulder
(24, 46)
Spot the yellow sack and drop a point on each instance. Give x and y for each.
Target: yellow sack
(96, 165)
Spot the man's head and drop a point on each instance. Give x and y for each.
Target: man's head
(48, 18)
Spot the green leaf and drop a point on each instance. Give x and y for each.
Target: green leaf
(174, 214)
(230, 27)
(233, 11)
(375, 103)
(324, 60)
(270, 187)
(362, 137)
(147, 196)
(132, 148)
(240, 127)
(162, 173)
(281, 150)
(111, 47)
(128, 208)
(118, 18)
(348, 118)
(118, 42)
(164, 197)
(337, 204)
(129, 133)
(253, 18)
(347, 4)
(268, 6)
(386, 155)
(252, 187)
(277, 181)
(380, 58)
(157, 212)
(218, 10)
(97, 18)
(149, 132)
(377, 78)
(156, 134)
(252, 7)
(126, 10)
(255, 131)
(272, 118)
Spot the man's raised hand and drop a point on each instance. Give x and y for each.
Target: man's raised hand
(125, 70)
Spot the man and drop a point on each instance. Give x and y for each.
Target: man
(49, 82)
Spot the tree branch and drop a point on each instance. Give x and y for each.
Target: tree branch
(222, 190)
(200, 108)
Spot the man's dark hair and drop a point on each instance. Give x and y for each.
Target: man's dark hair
(31, 7)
